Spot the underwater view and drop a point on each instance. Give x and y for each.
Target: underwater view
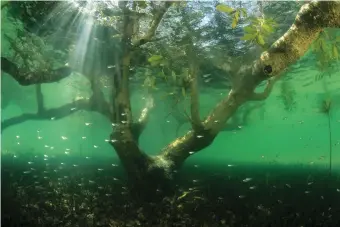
(170, 113)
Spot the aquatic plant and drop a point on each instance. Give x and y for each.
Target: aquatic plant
(287, 95)
(132, 27)
(325, 108)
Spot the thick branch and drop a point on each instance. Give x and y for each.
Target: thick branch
(54, 113)
(96, 103)
(157, 18)
(311, 19)
(267, 90)
(40, 98)
(194, 95)
(29, 78)
(139, 126)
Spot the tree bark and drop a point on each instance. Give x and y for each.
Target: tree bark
(310, 21)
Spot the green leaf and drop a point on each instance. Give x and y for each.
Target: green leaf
(224, 8)
(260, 40)
(234, 23)
(155, 58)
(250, 29)
(142, 4)
(267, 28)
(249, 36)
(323, 45)
(237, 15)
(154, 63)
(244, 12)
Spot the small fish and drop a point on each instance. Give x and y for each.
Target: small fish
(247, 179)
(252, 187)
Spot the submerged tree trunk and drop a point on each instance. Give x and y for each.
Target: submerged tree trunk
(284, 52)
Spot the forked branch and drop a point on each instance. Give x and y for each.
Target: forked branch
(310, 21)
(156, 20)
(26, 78)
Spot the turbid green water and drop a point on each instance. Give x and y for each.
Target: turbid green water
(272, 169)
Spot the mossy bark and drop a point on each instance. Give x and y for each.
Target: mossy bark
(310, 21)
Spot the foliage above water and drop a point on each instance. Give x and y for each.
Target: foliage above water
(259, 28)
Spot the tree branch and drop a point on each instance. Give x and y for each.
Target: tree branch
(139, 126)
(157, 18)
(54, 113)
(29, 78)
(267, 90)
(194, 95)
(40, 98)
(96, 103)
(310, 21)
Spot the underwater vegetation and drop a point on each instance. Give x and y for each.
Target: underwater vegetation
(40, 190)
(169, 53)
(325, 108)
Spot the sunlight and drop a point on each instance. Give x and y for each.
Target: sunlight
(88, 11)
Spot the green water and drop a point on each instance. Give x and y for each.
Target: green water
(272, 169)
